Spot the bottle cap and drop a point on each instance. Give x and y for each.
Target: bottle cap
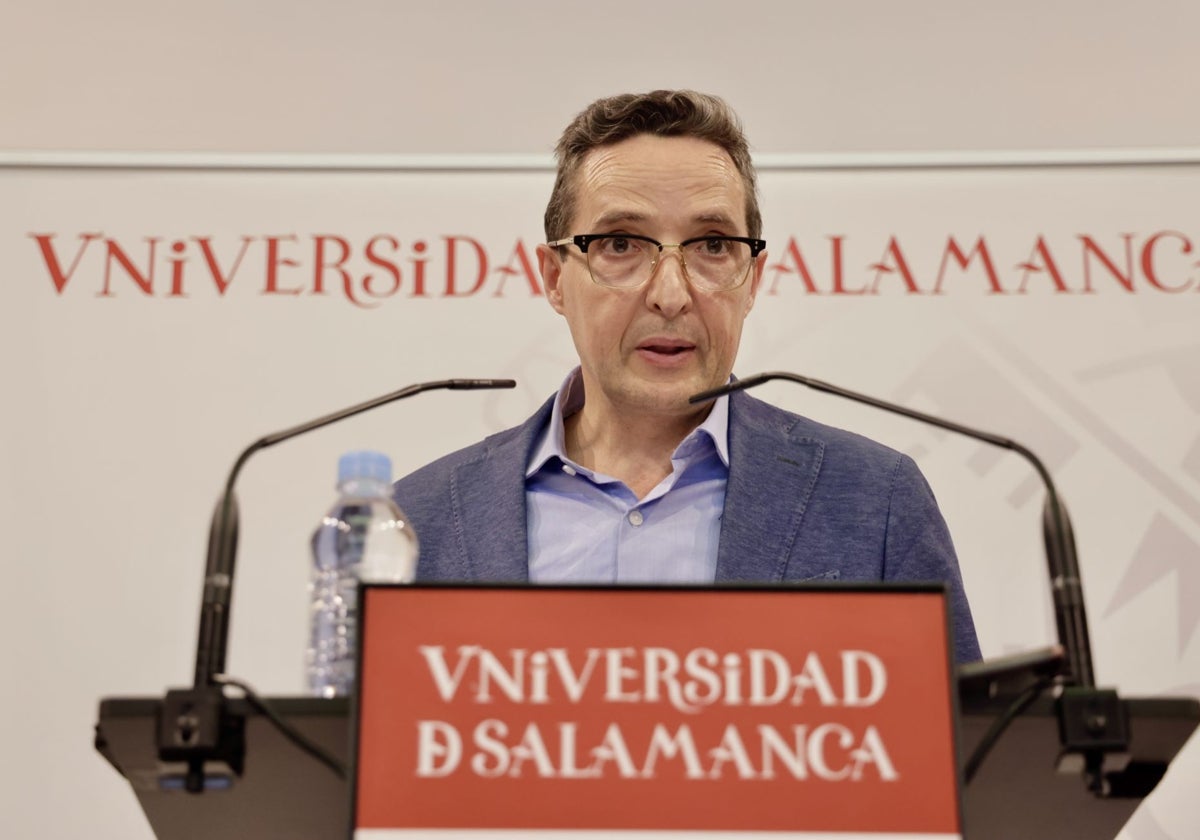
(365, 464)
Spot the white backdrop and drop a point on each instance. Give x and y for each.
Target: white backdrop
(124, 412)
(139, 377)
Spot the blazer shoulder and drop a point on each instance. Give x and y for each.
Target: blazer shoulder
(837, 443)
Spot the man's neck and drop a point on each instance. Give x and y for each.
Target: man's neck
(636, 450)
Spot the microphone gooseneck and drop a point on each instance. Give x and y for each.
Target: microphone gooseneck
(1066, 588)
(194, 723)
(223, 533)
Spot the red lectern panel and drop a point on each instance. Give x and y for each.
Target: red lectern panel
(655, 711)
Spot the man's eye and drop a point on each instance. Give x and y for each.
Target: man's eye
(716, 247)
(616, 245)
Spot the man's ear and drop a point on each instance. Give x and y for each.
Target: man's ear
(550, 265)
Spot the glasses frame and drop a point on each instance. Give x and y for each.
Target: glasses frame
(583, 240)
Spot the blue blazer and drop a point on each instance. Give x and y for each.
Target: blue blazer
(804, 502)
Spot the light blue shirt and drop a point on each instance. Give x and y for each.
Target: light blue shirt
(587, 527)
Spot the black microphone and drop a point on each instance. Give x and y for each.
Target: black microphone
(1091, 721)
(1069, 612)
(223, 533)
(192, 725)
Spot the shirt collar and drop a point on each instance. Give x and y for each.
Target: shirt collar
(569, 399)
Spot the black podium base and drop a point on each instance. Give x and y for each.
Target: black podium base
(283, 794)
(1023, 790)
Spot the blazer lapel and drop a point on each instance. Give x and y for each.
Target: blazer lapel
(487, 503)
(772, 472)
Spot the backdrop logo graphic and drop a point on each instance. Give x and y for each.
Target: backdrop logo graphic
(1168, 549)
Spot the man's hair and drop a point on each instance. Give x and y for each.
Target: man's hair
(662, 113)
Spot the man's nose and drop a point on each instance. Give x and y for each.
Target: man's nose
(669, 291)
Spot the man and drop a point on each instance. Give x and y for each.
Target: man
(653, 257)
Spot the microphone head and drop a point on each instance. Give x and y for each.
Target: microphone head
(480, 384)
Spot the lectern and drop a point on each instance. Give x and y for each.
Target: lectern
(283, 793)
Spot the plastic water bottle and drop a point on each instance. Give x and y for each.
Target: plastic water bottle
(364, 536)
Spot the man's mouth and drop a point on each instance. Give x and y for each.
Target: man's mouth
(666, 346)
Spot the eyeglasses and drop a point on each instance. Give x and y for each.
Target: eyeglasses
(627, 261)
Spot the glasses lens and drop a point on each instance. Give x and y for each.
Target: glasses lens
(716, 263)
(620, 261)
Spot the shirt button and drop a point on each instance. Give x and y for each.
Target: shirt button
(636, 518)
(568, 469)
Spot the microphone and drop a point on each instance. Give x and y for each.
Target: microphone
(1067, 591)
(1091, 721)
(223, 533)
(192, 726)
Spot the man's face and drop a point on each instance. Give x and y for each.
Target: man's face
(646, 350)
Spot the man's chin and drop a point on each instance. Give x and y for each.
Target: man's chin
(669, 398)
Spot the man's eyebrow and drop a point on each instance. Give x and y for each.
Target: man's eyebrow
(614, 217)
(715, 219)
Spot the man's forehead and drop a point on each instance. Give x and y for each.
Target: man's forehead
(626, 181)
(659, 149)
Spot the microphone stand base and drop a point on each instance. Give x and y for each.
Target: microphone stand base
(196, 727)
(1093, 724)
